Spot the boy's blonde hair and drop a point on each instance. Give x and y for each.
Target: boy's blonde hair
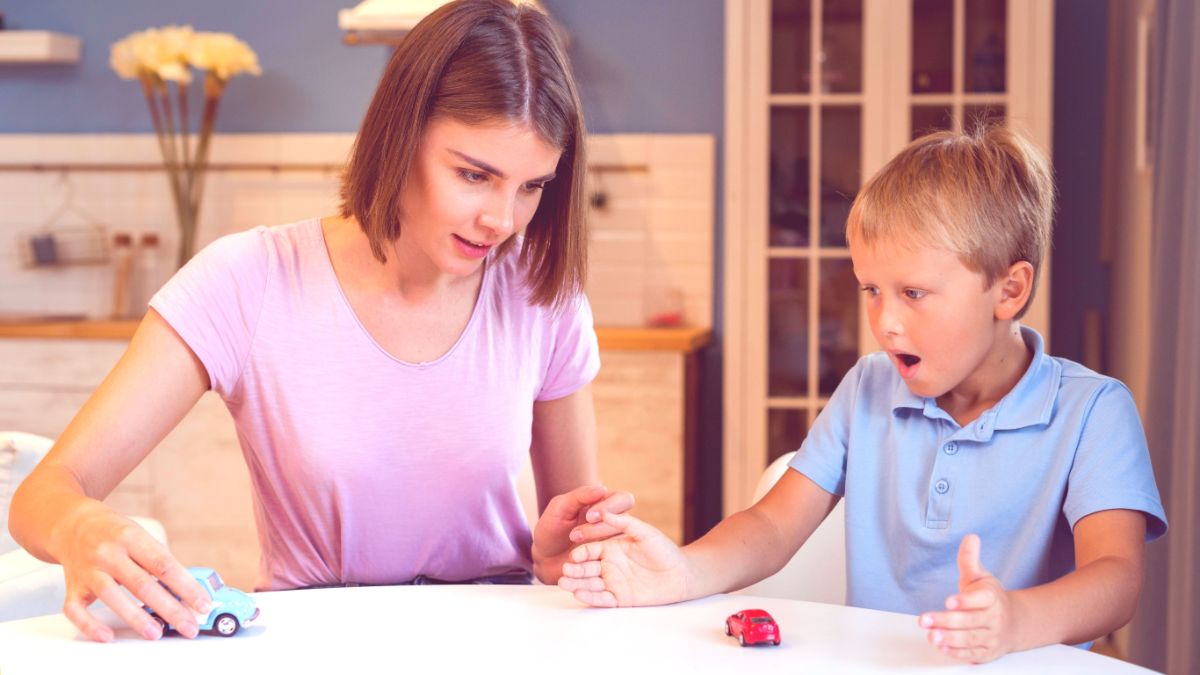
(986, 194)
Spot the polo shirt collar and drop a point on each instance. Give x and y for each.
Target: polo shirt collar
(1030, 403)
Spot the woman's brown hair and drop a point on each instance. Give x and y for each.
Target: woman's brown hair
(478, 62)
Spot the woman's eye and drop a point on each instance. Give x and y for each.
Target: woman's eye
(914, 294)
(533, 187)
(471, 176)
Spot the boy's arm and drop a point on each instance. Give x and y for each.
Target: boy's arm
(984, 621)
(643, 567)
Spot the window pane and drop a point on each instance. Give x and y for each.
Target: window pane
(927, 119)
(789, 211)
(986, 54)
(841, 46)
(787, 355)
(791, 46)
(839, 323)
(932, 46)
(976, 115)
(840, 174)
(786, 430)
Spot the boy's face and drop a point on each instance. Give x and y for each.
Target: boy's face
(929, 311)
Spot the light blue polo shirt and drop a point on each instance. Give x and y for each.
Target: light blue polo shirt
(1064, 443)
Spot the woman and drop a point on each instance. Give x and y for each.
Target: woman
(388, 369)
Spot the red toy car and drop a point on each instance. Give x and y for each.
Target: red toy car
(752, 626)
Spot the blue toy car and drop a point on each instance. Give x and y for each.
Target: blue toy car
(231, 609)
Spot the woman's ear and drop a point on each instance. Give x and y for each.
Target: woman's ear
(1014, 287)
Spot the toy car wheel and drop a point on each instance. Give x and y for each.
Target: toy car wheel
(776, 642)
(727, 631)
(742, 639)
(226, 625)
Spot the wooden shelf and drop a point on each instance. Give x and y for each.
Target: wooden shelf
(38, 46)
(685, 340)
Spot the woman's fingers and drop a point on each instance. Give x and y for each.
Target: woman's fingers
(75, 609)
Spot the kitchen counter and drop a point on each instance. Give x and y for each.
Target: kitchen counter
(684, 340)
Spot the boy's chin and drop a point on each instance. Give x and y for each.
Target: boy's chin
(923, 389)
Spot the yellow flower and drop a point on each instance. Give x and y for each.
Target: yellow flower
(222, 54)
(160, 51)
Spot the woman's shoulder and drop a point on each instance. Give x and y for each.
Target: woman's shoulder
(257, 246)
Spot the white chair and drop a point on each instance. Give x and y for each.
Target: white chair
(28, 586)
(817, 572)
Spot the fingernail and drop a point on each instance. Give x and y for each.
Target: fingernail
(152, 632)
(937, 637)
(204, 607)
(593, 516)
(576, 535)
(927, 621)
(188, 630)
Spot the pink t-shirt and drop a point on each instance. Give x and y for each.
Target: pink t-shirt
(367, 469)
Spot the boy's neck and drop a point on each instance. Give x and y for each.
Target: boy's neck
(1000, 371)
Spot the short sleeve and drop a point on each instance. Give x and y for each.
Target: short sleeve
(213, 303)
(574, 357)
(1112, 463)
(822, 455)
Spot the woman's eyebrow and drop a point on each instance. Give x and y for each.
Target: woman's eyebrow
(484, 166)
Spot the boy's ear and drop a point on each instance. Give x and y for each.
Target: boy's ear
(1014, 288)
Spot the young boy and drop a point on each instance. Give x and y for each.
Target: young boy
(961, 435)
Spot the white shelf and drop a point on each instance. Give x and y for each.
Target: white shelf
(38, 46)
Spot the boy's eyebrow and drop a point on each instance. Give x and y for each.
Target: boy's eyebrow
(484, 166)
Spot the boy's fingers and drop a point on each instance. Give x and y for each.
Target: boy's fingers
(593, 532)
(957, 639)
(590, 568)
(593, 550)
(631, 526)
(953, 620)
(973, 654)
(571, 584)
(982, 598)
(596, 598)
(616, 502)
(969, 567)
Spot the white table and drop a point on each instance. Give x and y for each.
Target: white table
(518, 629)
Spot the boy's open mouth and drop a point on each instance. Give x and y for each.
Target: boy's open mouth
(909, 359)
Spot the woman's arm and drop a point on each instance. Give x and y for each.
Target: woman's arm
(570, 497)
(57, 513)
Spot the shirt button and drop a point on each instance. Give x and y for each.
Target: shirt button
(942, 486)
(951, 448)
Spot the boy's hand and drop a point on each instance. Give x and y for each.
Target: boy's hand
(979, 624)
(641, 567)
(573, 518)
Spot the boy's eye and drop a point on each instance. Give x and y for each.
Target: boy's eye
(913, 294)
(870, 290)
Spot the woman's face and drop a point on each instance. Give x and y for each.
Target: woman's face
(471, 188)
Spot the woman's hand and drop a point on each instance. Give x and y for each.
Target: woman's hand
(573, 518)
(103, 554)
(640, 567)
